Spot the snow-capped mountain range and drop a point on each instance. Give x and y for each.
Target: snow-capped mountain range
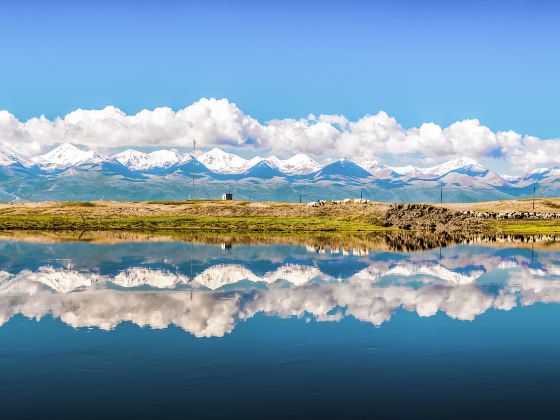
(216, 160)
(161, 173)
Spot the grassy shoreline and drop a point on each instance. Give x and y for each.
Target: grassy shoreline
(252, 224)
(294, 225)
(241, 217)
(526, 227)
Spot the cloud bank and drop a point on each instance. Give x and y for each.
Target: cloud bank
(218, 122)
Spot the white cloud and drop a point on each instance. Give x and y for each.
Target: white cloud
(218, 122)
(532, 152)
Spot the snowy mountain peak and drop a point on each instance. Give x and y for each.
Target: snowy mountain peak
(217, 152)
(136, 160)
(439, 170)
(379, 169)
(68, 155)
(466, 161)
(300, 157)
(222, 162)
(131, 158)
(164, 157)
(299, 164)
(11, 157)
(455, 164)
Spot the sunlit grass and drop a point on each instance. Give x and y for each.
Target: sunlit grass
(188, 223)
(528, 227)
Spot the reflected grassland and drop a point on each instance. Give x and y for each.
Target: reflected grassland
(378, 241)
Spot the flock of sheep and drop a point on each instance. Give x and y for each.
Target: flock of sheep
(319, 203)
(512, 215)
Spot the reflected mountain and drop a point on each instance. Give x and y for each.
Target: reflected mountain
(207, 290)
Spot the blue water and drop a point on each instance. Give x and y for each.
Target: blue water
(180, 330)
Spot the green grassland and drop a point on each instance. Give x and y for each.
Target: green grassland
(188, 223)
(247, 224)
(247, 218)
(527, 227)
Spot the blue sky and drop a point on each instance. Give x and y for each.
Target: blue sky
(430, 61)
(418, 61)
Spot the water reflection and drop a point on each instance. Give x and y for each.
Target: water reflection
(207, 290)
(357, 242)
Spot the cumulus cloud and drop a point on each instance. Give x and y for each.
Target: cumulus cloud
(218, 122)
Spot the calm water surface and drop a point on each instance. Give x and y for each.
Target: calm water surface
(181, 330)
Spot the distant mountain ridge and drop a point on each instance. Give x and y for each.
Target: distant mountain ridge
(9, 157)
(137, 175)
(140, 161)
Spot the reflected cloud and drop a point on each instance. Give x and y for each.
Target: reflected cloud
(210, 304)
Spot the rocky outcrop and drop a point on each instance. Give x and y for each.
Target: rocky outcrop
(425, 217)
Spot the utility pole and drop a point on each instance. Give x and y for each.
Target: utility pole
(441, 193)
(300, 198)
(534, 192)
(361, 195)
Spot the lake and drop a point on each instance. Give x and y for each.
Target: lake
(175, 329)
